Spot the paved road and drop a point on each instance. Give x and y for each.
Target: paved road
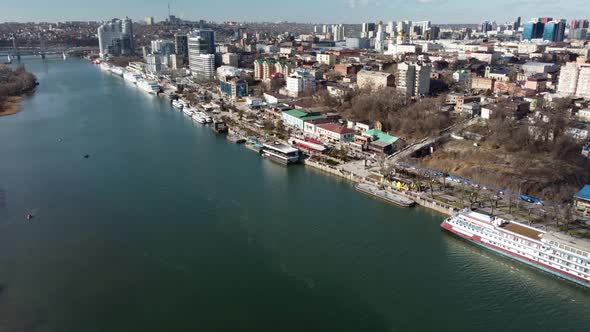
(410, 149)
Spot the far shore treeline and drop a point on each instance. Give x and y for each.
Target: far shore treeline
(14, 82)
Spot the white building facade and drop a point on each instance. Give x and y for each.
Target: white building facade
(203, 66)
(299, 82)
(574, 80)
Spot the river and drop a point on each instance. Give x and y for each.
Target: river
(169, 227)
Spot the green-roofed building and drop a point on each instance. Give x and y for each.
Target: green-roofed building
(297, 117)
(297, 112)
(263, 68)
(379, 135)
(381, 142)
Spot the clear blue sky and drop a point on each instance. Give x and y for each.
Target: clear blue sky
(330, 11)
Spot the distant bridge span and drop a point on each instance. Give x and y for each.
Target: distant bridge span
(6, 51)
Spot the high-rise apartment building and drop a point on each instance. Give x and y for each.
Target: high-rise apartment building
(380, 39)
(264, 69)
(390, 29)
(578, 34)
(433, 33)
(533, 30)
(574, 80)
(554, 31)
(230, 59)
(485, 27)
(149, 20)
(203, 66)
(201, 53)
(163, 46)
(176, 62)
(116, 38)
(414, 78)
(368, 30)
(338, 32)
(197, 46)
(421, 27)
(181, 46)
(207, 36)
(580, 24)
(545, 20)
(404, 28)
(154, 63)
(299, 82)
(516, 24)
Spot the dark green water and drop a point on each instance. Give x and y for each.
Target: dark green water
(168, 227)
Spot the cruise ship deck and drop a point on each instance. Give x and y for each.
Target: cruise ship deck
(531, 233)
(573, 244)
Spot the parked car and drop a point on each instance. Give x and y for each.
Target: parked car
(531, 199)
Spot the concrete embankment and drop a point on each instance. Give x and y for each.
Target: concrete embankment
(421, 199)
(427, 202)
(334, 171)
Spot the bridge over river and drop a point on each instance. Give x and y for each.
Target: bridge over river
(13, 53)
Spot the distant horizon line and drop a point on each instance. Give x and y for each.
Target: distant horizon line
(233, 21)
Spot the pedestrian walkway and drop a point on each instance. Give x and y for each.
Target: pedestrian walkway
(356, 167)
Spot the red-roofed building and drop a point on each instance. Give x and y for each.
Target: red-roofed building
(334, 133)
(310, 128)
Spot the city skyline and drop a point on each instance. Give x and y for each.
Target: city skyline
(306, 11)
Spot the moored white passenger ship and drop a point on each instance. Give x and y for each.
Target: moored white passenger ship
(149, 86)
(556, 253)
(132, 77)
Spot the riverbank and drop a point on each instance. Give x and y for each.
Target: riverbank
(420, 198)
(14, 84)
(10, 106)
(431, 192)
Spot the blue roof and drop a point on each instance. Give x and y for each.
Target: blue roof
(584, 193)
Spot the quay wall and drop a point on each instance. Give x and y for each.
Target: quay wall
(421, 199)
(334, 171)
(427, 202)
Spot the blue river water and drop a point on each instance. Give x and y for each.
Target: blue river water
(169, 227)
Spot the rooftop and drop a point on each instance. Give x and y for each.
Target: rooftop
(374, 73)
(313, 117)
(381, 136)
(584, 193)
(284, 148)
(336, 128)
(538, 64)
(276, 95)
(297, 113)
(523, 230)
(381, 143)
